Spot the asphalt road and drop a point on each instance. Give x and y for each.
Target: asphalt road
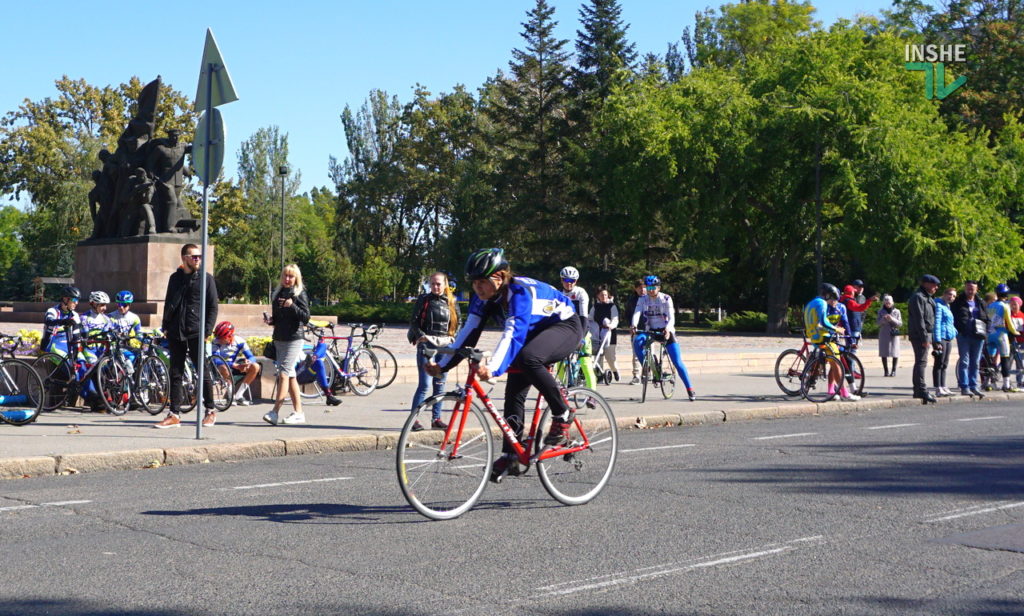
(868, 513)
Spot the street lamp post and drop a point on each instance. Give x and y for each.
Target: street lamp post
(282, 172)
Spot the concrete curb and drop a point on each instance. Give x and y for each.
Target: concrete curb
(71, 464)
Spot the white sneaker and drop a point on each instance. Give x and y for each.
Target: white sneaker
(850, 397)
(271, 418)
(295, 418)
(242, 402)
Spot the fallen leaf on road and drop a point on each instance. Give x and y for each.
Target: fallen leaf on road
(153, 464)
(69, 471)
(641, 422)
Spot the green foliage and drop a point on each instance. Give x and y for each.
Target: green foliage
(744, 321)
(870, 328)
(368, 312)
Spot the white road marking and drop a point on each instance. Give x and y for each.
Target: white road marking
(982, 418)
(766, 438)
(975, 511)
(285, 483)
(653, 448)
(646, 573)
(54, 504)
(907, 425)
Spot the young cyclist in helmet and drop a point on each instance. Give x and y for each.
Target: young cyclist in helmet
(581, 302)
(999, 331)
(820, 331)
(657, 308)
(236, 353)
(96, 318)
(124, 321)
(539, 327)
(61, 316)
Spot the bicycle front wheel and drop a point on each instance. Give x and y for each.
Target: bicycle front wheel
(667, 380)
(788, 368)
(854, 373)
(112, 384)
(645, 375)
(443, 474)
(223, 386)
(364, 372)
(388, 365)
(592, 446)
(58, 378)
(21, 390)
(814, 382)
(152, 385)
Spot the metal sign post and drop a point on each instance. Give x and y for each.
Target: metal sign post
(215, 88)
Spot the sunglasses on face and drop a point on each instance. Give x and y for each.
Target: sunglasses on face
(568, 281)
(652, 288)
(194, 257)
(124, 305)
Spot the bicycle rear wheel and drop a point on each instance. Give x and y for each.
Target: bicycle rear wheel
(58, 379)
(814, 383)
(576, 478)
(112, 384)
(788, 368)
(152, 386)
(387, 363)
(364, 372)
(438, 481)
(854, 373)
(667, 376)
(223, 386)
(21, 392)
(312, 388)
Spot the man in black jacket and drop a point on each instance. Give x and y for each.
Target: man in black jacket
(181, 327)
(971, 321)
(920, 325)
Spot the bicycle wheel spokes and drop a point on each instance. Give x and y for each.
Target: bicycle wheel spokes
(668, 375)
(854, 373)
(364, 372)
(814, 383)
(223, 386)
(579, 475)
(152, 385)
(788, 368)
(388, 365)
(21, 392)
(443, 478)
(57, 377)
(112, 384)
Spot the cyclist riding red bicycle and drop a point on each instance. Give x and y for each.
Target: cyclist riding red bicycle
(539, 327)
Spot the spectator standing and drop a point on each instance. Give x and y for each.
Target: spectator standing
(920, 332)
(971, 322)
(889, 320)
(181, 327)
(435, 319)
(856, 307)
(638, 291)
(945, 333)
(1018, 323)
(604, 318)
(289, 307)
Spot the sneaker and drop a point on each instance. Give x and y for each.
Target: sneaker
(615, 375)
(171, 421)
(635, 380)
(209, 419)
(977, 393)
(505, 465)
(850, 397)
(417, 426)
(965, 392)
(1010, 389)
(243, 402)
(295, 418)
(692, 395)
(333, 400)
(437, 424)
(559, 428)
(271, 418)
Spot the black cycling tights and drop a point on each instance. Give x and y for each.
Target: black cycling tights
(552, 344)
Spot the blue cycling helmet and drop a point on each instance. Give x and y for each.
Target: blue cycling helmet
(1002, 289)
(125, 297)
(652, 281)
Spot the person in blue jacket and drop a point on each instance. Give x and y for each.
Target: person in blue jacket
(539, 327)
(945, 334)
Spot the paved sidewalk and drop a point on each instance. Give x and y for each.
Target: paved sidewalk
(72, 441)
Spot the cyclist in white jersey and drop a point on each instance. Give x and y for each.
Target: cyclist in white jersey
(96, 318)
(124, 321)
(581, 302)
(659, 311)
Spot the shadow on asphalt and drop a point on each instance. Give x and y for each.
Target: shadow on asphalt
(341, 513)
(963, 607)
(989, 467)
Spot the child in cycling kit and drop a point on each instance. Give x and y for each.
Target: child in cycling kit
(235, 352)
(1000, 329)
(657, 308)
(539, 327)
(820, 330)
(57, 318)
(581, 303)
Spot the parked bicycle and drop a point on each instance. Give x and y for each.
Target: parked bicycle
(21, 391)
(76, 372)
(385, 358)
(657, 369)
(326, 365)
(443, 477)
(790, 365)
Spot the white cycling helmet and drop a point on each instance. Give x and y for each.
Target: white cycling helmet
(569, 273)
(99, 297)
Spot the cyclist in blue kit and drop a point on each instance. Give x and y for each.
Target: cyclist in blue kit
(656, 307)
(539, 327)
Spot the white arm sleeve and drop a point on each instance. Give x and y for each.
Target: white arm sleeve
(670, 318)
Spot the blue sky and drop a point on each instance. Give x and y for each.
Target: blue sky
(296, 64)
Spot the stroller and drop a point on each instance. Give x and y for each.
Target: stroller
(603, 377)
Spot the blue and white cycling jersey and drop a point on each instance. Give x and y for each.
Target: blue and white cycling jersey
(531, 306)
(92, 321)
(230, 351)
(126, 324)
(658, 310)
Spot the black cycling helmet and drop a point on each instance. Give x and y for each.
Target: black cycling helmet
(829, 290)
(72, 292)
(485, 262)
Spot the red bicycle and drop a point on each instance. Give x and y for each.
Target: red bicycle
(443, 475)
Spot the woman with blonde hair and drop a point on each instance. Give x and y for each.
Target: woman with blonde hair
(435, 319)
(289, 307)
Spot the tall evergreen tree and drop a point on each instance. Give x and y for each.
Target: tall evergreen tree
(601, 49)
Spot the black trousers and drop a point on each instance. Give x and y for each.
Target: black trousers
(178, 350)
(921, 352)
(940, 363)
(552, 344)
